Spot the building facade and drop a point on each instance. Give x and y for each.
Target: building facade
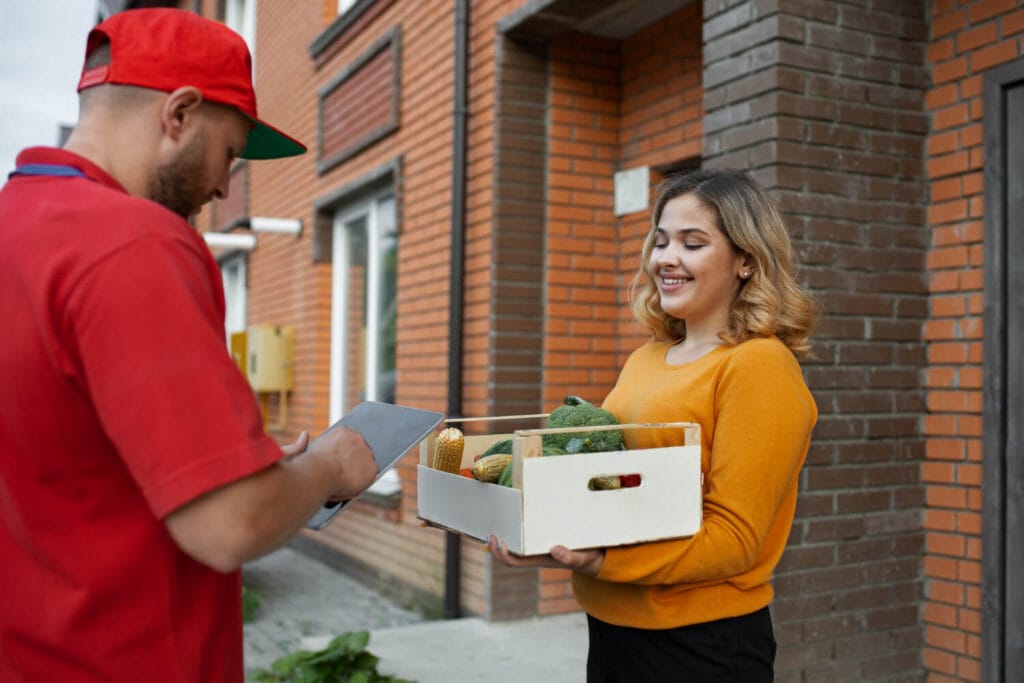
(463, 230)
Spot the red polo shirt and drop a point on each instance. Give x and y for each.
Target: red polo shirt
(119, 404)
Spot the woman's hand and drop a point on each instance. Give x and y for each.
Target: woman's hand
(587, 562)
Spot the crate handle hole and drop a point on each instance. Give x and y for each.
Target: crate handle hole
(614, 482)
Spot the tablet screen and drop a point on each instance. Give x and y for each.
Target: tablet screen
(390, 431)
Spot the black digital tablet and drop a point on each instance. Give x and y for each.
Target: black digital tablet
(390, 431)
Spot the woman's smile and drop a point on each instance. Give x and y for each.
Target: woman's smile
(671, 284)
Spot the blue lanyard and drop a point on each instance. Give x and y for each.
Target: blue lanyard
(59, 170)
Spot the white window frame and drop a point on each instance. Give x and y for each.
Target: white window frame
(236, 295)
(240, 17)
(370, 209)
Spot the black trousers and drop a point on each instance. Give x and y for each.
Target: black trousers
(740, 649)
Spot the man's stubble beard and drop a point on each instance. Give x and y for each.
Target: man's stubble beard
(180, 184)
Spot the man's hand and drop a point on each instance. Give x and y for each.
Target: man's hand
(249, 517)
(296, 447)
(355, 468)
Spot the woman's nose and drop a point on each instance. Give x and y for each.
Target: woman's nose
(667, 255)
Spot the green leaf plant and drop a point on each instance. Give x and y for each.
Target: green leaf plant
(344, 660)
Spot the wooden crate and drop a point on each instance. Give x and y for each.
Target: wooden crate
(550, 502)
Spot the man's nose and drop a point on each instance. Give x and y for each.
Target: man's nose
(220, 191)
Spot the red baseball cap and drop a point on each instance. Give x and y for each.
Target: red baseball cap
(166, 49)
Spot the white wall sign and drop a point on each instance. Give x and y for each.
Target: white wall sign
(632, 190)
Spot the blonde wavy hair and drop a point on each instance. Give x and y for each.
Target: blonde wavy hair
(770, 302)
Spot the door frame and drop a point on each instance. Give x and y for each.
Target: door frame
(1003, 437)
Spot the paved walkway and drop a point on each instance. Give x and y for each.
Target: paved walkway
(300, 596)
(304, 603)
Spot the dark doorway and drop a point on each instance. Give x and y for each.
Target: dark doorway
(1003, 543)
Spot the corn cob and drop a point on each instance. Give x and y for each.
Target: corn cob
(448, 450)
(489, 467)
(605, 483)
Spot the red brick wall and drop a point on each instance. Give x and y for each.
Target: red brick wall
(613, 105)
(967, 39)
(338, 30)
(504, 251)
(360, 106)
(582, 259)
(590, 83)
(662, 125)
(851, 578)
(394, 547)
(284, 287)
(287, 287)
(355, 335)
(583, 344)
(225, 211)
(480, 289)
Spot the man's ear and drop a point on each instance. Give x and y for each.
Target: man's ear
(179, 111)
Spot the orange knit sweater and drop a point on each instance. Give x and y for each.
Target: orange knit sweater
(756, 416)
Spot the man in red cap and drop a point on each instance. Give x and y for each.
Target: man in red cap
(135, 474)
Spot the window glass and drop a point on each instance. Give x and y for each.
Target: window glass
(363, 311)
(387, 302)
(364, 305)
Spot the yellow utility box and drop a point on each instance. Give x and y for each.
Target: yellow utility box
(239, 346)
(265, 355)
(268, 357)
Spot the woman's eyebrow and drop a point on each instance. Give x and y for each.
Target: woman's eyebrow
(682, 231)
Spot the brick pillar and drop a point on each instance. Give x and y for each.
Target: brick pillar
(510, 324)
(517, 239)
(584, 292)
(823, 103)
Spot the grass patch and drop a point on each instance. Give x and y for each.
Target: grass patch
(250, 605)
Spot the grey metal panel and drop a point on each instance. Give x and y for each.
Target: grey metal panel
(542, 19)
(1014, 534)
(1003, 440)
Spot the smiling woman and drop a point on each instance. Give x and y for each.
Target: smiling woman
(41, 46)
(716, 289)
(730, 214)
(697, 270)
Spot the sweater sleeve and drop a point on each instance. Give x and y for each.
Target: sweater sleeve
(763, 419)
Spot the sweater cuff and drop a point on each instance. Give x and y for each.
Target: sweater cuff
(615, 565)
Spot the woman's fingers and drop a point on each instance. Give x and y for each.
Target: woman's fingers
(584, 561)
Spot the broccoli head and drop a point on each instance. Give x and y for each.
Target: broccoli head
(576, 412)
